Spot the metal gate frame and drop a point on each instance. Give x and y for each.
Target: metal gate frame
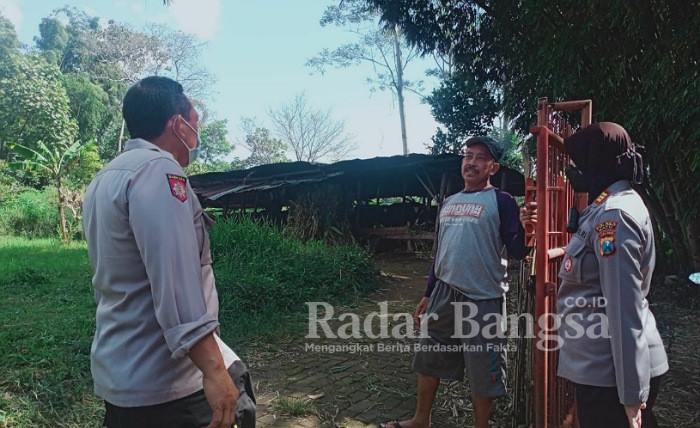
(553, 396)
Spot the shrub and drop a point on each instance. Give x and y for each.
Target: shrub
(260, 271)
(32, 213)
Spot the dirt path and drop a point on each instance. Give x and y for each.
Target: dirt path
(300, 387)
(347, 389)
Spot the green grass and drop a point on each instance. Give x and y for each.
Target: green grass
(293, 406)
(47, 317)
(47, 311)
(264, 278)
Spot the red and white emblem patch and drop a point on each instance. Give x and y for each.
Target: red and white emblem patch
(568, 264)
(178, 186)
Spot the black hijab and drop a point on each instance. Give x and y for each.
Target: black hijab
(604, 153)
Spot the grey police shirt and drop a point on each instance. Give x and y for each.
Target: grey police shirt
(154, 287)
(606, 273)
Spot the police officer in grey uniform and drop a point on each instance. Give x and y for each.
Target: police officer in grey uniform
(606, 274)
(155, 357)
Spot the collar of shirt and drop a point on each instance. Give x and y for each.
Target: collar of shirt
(616, 187)
(139, 143)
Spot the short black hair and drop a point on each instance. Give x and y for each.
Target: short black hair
(150, 102)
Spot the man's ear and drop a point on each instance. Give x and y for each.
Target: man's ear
(176, 125)
(494, 168)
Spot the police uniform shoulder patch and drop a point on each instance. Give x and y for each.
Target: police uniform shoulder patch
(607, 244)
(178, 186)
(602, 197)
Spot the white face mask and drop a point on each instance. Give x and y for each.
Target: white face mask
(193, 153)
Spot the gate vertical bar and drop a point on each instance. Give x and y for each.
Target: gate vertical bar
(541, 269)
(553, 397)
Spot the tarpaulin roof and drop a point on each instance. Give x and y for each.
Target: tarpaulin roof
(412, 175)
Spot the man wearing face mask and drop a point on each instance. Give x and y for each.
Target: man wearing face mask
(155, 357)
(608, 266)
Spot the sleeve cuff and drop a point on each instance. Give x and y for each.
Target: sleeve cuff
(182, 338)
(634, 399)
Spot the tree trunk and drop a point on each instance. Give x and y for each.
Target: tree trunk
(674, 233)
(399, 89)
(121, 137)
(678, 235)
(693, 234)
(658, 220)
(61, 209)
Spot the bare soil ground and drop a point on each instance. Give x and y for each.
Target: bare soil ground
(303, 387)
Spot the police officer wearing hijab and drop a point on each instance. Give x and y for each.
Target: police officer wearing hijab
(606, 274)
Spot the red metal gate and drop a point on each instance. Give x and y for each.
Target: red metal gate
(553, 396)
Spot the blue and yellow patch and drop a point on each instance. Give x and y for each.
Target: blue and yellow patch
(607, 245)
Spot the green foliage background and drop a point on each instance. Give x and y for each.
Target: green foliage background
(637, 61)
(47, 310)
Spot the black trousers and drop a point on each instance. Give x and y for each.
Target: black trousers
(192, 411)
(599, 407)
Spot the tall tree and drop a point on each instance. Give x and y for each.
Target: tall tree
(89, 105)
(215, 141)
(312, 134)
(465, 107)
(113, 56)
(264, 149)
(383, 48)
(215, 147)
(34, 104)
(637, 61)
(9, 43)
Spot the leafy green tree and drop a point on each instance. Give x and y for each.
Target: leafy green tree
(53, 41)
(465, 107)
(54, 162)
(511, 143)
(638, 62)
(9, 43)
(34, 104)
(198, 167)
(81, 173)
(100, 60)
(215, 147)
(89, 105)
(215, 142)
(67, 45)
(264, 149)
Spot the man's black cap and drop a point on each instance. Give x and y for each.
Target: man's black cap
(492, 145)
